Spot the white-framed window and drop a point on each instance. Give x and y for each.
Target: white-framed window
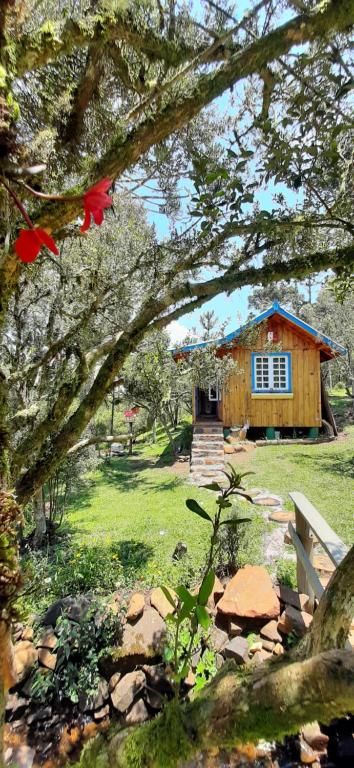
(214, 393)
(271, 372)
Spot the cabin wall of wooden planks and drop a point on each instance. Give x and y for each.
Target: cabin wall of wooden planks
(303, 409)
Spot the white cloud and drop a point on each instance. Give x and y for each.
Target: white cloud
(177, 332)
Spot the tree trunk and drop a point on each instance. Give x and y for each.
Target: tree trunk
(169, 436)
(40, 520)
(10, 580)
(268, 703)
(154, 431)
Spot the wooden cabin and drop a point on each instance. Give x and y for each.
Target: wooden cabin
(278, 383)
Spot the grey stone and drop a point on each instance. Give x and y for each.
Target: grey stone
(43, 713)
(15, 704)
(179, 551)
(100, 714)
(113, 681)
(219, 660)
(237, 649)
(153, 698)
(218, 639)
(235, 629)
(138, 714)
(268, 645)
(141, 642)
(74, 607)
(127, 690)
(20, 757)
(157, 679)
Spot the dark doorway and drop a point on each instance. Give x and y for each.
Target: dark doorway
(205, 408)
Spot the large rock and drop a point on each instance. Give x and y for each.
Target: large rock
(138, 713)
(298, 600)
(20, 757)
(314, 737)
(237, 649)
(218, 639)
(127, 690)
(141, 643)
(159, 601)
(47, 659)
(48, 640)
(25, 655)
(15, 705)
(136, 606)
(250, 594)
(295, 621)
(75, 608)
(216, 594)
(270, 632)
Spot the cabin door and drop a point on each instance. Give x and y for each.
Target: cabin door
(207, 402)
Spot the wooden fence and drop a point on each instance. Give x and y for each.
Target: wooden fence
(309, 523)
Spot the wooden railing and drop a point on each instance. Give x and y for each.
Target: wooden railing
(309, 522)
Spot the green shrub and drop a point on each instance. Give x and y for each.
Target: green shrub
(72, 571)
(286, 573)
(86, 569)
(79, 649)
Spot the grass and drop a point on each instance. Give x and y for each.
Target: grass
(130, 513)
(324, 473)
(139, 503)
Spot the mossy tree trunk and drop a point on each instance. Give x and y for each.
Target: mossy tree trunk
(39, 519)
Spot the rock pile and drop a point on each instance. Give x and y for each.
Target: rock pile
(251, 620)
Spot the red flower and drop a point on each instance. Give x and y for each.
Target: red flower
(95, 200)
(30, 241)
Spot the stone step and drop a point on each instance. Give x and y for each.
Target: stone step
(212, 452)
(206, 446)
(200, 481)
(209, 430)
(211, 464)
(209, 437)
(207, 470)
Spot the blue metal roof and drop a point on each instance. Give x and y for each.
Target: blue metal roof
(274, 309)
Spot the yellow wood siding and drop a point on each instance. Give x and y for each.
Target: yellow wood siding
(302, 410)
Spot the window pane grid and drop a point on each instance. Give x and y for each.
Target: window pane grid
(271, 373)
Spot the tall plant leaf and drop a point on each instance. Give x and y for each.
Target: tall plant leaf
(193, 505)
(206, 588)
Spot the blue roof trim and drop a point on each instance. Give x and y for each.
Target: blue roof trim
(274, 309)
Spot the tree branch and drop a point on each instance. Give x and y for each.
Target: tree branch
(98, 439)
(86, 87)
(49, 43)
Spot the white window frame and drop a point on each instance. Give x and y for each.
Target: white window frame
(272, 358)
(217, 391)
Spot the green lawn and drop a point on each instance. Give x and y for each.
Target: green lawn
(123, 525)
(136, 505)
(324, 473)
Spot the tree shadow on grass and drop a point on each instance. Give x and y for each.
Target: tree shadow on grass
(128, 476)
(332, 464)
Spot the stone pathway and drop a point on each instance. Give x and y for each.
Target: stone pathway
(273, 542)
